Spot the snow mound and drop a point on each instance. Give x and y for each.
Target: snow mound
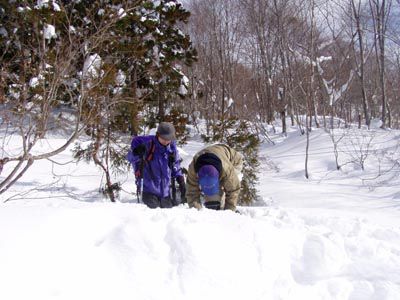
(126, 251)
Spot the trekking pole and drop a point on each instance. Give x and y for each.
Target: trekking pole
(173, 179)
(139, 192)
(173, 190)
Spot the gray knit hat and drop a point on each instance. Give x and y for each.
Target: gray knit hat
(166, 131)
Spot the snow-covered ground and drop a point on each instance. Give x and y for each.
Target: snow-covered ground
(335, 235)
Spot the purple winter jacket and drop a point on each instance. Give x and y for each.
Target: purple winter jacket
(156, 171)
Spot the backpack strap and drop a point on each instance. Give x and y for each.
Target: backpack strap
(149, 157)
(151, 151)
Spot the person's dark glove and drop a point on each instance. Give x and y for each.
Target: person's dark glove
(140, 150)
(182, 188)
(171, 159)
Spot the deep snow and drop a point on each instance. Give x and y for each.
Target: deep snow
(333, 236)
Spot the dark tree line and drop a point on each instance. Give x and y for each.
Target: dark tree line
(95, 67)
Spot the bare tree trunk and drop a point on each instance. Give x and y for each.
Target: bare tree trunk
(306, 174)
(311, 92)
(380, 10)
(282, 94)
(389, 115)
(360, 34)
(257, 10)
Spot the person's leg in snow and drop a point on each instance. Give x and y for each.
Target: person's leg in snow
(152, 201)
(166, 202)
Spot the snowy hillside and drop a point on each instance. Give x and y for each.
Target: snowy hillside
(334, 236)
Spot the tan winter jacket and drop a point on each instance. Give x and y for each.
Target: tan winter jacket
(232, 164)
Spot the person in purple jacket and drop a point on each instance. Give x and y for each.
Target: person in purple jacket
(155, 160)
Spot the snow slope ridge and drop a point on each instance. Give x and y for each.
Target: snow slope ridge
(127, 251)
(372, 193)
